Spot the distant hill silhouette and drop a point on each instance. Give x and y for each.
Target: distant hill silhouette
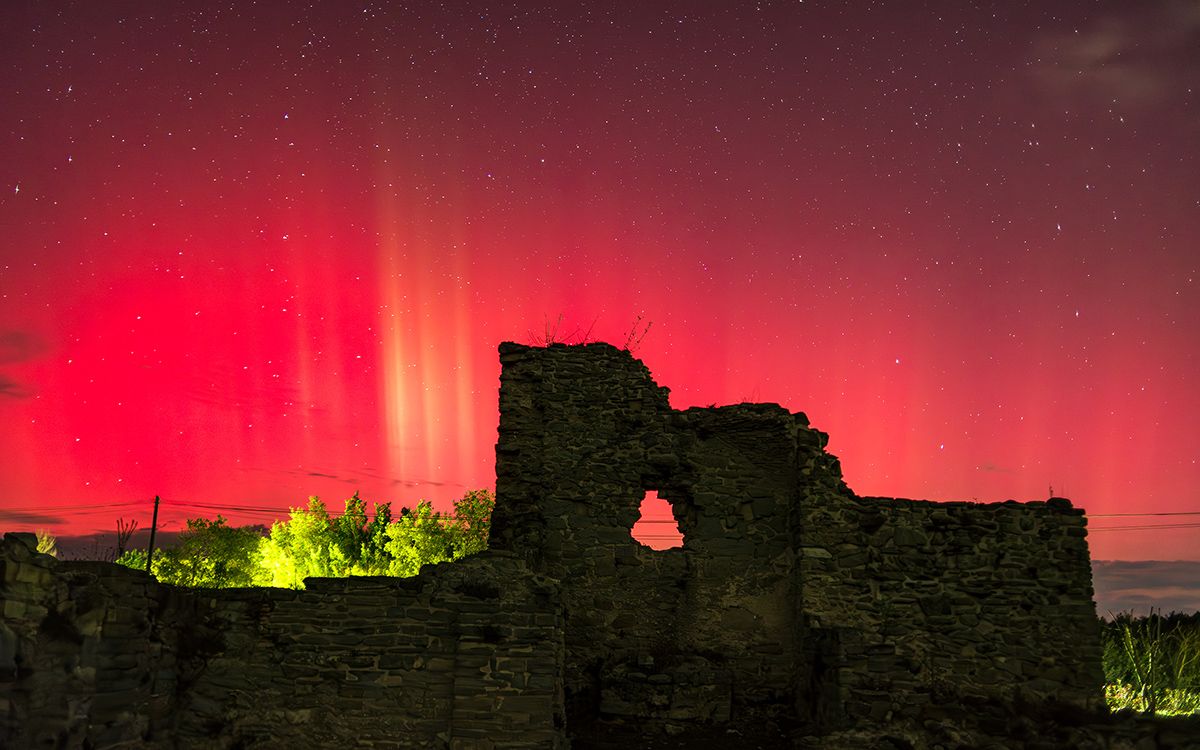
(102, 545)
(1138, 585)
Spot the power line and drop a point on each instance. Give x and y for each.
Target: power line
(45, 508)
(1125, 515)
(1148, 527)
(275, 512)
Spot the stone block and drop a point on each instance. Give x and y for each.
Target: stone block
(14, 610)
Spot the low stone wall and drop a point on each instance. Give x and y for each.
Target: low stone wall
(920, 604)
(97, 655)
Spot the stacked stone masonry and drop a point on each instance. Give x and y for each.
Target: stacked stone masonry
(99, 656)
(795, 612)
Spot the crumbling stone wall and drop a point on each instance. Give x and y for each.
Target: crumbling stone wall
(793, 604)
(789, 590)
(584, 433)
(96, 655)
(921, 605)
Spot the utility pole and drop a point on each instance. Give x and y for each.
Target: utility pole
(153, 528)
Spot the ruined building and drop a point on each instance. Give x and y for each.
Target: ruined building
(795, 613)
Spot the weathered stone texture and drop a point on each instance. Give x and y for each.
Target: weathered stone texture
(464, 655)
(789, 590)
(919, 604)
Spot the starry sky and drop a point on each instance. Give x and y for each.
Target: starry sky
(256, 251)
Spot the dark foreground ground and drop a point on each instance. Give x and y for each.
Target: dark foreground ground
(1083, 732)
(603, 736)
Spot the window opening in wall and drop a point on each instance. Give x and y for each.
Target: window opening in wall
(657, 528)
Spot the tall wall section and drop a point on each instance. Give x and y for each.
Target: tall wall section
(584, 434)
(789, 589)
(96, 655)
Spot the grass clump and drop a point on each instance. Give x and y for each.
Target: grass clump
(1152, 663)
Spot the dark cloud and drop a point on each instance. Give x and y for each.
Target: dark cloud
(360, 477)
(102, 545)
(1137, 54)
(422, 483)
(16, 347)
(369, 473)
(20, 346)
(10, 388)
(1169, 586)
(25, 518)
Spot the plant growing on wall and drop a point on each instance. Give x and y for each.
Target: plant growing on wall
(46, 543)
(637, 332)
(552, 333)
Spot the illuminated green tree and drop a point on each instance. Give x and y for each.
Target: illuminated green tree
(302, 547)
(423, 537)
(209, 554)
(313, 544)
(472, 522)
(362, 542)
(420, 537)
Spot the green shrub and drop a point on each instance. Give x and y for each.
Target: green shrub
(1152, 663)
(46, 543)
(311, 543)
(209, 554)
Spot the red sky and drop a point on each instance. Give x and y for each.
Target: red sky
(249, 256)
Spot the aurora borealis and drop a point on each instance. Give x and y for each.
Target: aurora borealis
(252, 252)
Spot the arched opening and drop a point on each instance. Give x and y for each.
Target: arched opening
(657, 527)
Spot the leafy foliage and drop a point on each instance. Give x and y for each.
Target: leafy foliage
(210, 554)
(134, 558)
(311, 543)
(419, 538)
(360, 541)
(472, 522)
(47, 544)
(1152, 663)
(302, 547)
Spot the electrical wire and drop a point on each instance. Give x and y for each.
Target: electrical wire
(1131, 515)
(274, 512)
(1150, 527)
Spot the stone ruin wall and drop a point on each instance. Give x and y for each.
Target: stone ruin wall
(791, 600)
(789, 590)
(916, 605)
(584, 433)
(96, 655)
